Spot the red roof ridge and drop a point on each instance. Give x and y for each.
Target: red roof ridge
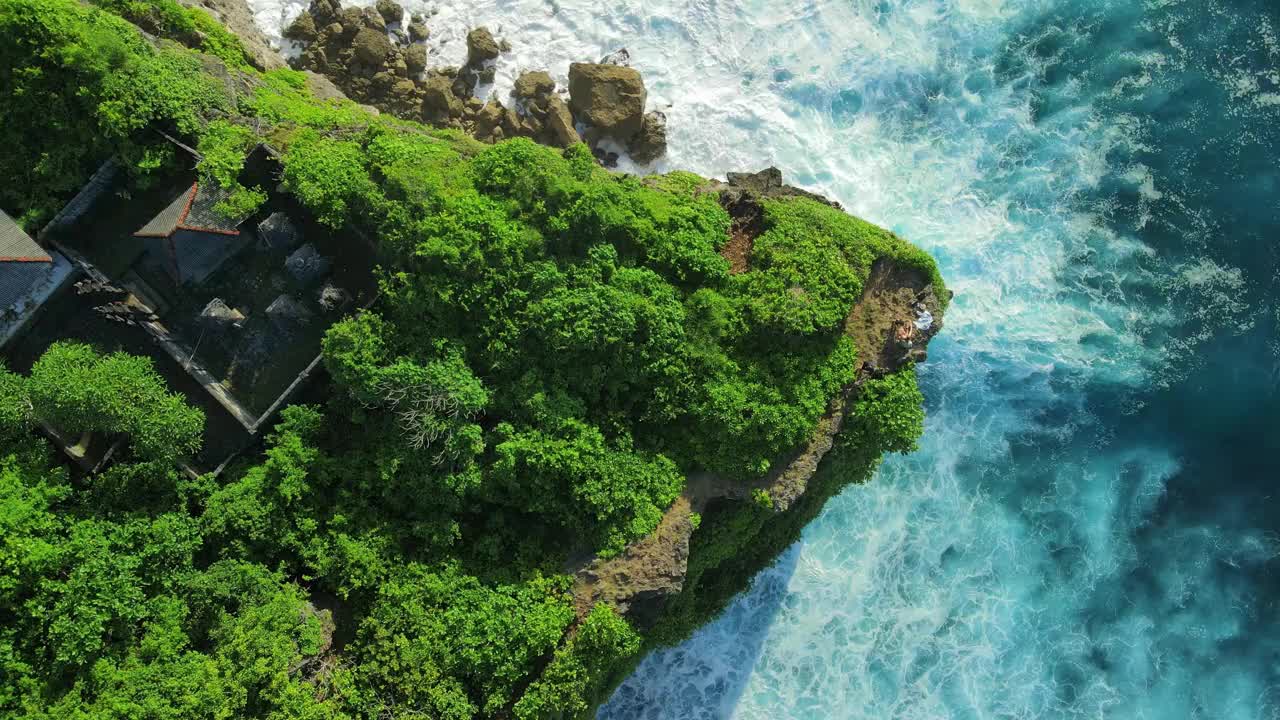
(182, 219)
(45, 258)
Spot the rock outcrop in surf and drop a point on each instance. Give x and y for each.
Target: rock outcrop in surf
(378, 56)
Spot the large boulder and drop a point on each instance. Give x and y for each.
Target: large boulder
(610, 98)
(390, 10)
(438, 100)
(415, 58)
(371, 47)
(489, 117)
(559, 123)
(533, 84)
(303, 28)
(418, 31)
(651, 142)
(481, 46)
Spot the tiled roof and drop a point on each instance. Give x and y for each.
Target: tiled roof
(193, 209)
(17, 281)
(202, 215)
(164, 224)
(25, 286)
(199, 257)
(16, 246)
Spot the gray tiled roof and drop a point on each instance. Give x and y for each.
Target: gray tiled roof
(193, 209)
(167, 221)
(200, 254)
(202, 214)
(17, 280)
(16, 246)
(25, 286)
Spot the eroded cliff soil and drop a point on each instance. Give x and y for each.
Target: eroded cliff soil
(891, 324)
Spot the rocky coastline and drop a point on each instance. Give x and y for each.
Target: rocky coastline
(897, 315)
(378, 56)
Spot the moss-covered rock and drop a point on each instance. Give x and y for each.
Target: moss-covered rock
(415, 58)
(418, 31)
(371, 47)
(438, 100)
(481, 46)
(532, 85)
(303, 28)
(390, 10)
(610, 98)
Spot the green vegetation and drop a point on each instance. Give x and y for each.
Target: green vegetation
(555, 349)
(735, 541)
(79, 85)
(76, 390)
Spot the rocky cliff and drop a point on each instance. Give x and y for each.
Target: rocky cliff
(378, 56)
(891, 323)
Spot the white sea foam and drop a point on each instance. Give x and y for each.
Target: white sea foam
(959, 584)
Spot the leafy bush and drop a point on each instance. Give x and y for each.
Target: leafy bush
(888, 414)
(75, 389)
(441, 641)
(581, 667)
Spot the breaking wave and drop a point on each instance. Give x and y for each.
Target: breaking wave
(1087, 529)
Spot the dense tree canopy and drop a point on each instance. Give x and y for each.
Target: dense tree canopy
(555, 350)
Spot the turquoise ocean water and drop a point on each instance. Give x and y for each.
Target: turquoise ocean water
(1090, 527)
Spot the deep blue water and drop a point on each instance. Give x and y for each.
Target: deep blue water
(1090, 528)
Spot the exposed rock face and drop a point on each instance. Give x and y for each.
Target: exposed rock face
(608, 97)
(651, 568)
(481, 46)
(560, 123)
(390, 10)
(766, 183)
(891, 324)
(236, 16)
(322, 87)
(651, 142)
(350, 46)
